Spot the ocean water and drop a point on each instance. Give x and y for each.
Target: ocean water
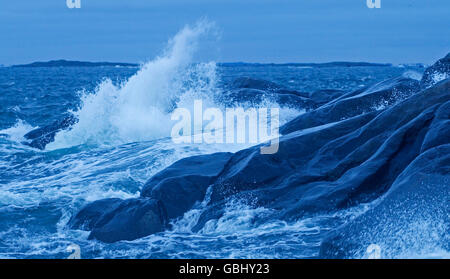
(122, 139)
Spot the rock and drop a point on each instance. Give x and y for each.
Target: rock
(167, 195)
(244, 169)
(254, 97)
(89, 215)
(324, 96)
(264, 85)
(410, 220)
(250, 91)
(439, 132)
(437, 72)
(112, 220)
(376, 97)
(336, 165)
(40, 137)
(184, 183)
(367, 144)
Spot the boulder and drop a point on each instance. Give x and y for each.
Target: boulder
(89, 215)
(167, 195)
(40, 137)
(185, 182)
(247, 82)
(112, 220)
(254, 97)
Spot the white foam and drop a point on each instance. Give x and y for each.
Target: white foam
(16, 132)
(413, 75)
(139, 109)
(438, 76)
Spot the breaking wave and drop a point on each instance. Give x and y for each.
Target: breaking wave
(139, 109)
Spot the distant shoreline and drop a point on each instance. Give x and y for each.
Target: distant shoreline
(67, 63)
(313, 65)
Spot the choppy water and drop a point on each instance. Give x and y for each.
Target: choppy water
(121, 140)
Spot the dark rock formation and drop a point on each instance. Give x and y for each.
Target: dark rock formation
(246, 82)
(167, 195)
(254, 97)
(376, 97)
(439, 71)
(40, 137)
(386, 144)
(89, 215)
(184, 183)
(111, 220)
(252, 92)
(411, 220)
(336, 165)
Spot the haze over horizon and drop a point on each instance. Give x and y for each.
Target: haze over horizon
(263, 31)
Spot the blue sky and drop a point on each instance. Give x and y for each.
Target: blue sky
(402, 31)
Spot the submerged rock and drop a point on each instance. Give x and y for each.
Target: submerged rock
(254, 91)
(89, 215)
(246, 82)
(249, 91)
(167, 195)
(40, 137)
(111, 220)
(254, 97)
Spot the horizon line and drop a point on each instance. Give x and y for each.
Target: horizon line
(221, 62)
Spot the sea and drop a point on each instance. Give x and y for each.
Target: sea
(122, 138)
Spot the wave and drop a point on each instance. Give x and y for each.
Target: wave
(17, 131)
(139, 109)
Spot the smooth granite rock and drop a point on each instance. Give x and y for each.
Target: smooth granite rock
(112, 220)
(376, 97)
(184, 183)
(411, 219)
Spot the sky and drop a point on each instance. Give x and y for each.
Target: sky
(278, 31)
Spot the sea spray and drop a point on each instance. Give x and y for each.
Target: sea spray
(16, 132)
(139, 109)
(40, 191)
